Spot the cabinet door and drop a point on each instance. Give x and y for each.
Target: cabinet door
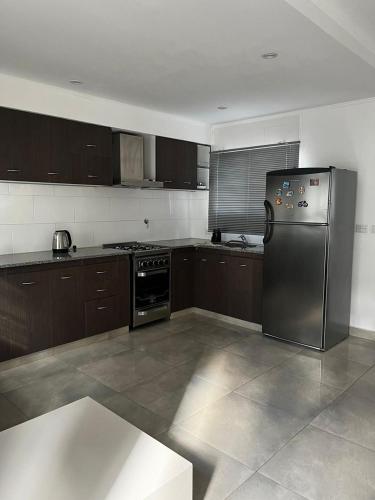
(166, 153)
(29, 311)
(204, 280)
(6, 339)
(60, 167)
(245, 288)
(219, 288)
(189, 166)
(67, 306)
(91, 151)
(102, 315)
(24, 150)
(182, 279)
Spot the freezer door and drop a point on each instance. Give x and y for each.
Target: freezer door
(299, 198)
(294, 283)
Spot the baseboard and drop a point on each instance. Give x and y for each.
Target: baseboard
(221, 317)
(362, 333)
(35, 356)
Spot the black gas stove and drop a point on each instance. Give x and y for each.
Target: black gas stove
(150, 280)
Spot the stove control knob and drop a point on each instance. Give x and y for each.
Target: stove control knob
(140, 264)
(155, 262)
(165, 261)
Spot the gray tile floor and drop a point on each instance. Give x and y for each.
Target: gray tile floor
(259, 419)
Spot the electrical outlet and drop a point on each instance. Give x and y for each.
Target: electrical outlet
(361, 228)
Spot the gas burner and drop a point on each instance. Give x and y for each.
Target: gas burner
(136, 247)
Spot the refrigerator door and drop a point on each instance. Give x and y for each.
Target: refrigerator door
(299, 198)
(294, 283)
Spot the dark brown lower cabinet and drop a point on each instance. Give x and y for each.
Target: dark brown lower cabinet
(45, 305)
(67, 318)
(28, 310)
(223, 283)
(182, 289)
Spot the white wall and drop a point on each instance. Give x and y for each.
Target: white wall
(340, 135)
(29, 213)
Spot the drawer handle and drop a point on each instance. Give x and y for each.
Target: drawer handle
(13, 170)
(203, 260)
(53, 173)
(186, 260)
(101, 290)
(167, 181)
(65, 277)
(101, 272)
(222, 262)
(243, 265)
(28, 283)
(90, 145)
(90, 176)
(187, 182)
(101, 308)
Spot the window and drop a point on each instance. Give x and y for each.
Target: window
(238, 184)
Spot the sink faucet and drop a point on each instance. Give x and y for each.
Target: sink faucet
(244, 240)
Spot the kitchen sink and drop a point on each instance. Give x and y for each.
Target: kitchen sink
(238, 244)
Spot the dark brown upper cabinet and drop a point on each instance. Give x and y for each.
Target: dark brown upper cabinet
(39, 148)
(176, 163)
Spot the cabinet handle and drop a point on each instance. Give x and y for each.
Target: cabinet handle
(28, 283)
(101, 308)
(90, 145)
(203, 260)
(243, 265)
(186, 260)
(53, 173)
(90, 176)
(222, 262)
(186, 182)
(13, 170)
(101, 290)
(65, 277)
(101, 272)
(167, 181)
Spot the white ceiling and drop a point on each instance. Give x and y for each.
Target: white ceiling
(186, 57)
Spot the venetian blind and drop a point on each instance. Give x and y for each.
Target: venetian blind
(238, 184)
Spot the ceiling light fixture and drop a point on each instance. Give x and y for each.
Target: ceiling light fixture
(221, 108)
(75, 82)
(270, 55)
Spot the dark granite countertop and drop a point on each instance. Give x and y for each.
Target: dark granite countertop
(202, 243)
(32, 258)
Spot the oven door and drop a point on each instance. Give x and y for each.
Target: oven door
(151, 288)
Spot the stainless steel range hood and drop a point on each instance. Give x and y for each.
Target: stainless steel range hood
(129, 161)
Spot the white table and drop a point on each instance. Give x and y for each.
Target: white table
(83, 451)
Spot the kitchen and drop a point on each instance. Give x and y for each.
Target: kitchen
(115, 302)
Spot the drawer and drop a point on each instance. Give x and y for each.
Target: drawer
(101, 315)
(101, 280)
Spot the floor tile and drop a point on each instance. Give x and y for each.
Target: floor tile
(175, 349)
(263, 349)
(215, 474)
(86, 354)
(166, 383)
(214, 335)
(30, 372)
(350, 417)
(182, 403)
(300, 396)
(321, 466)
(227, 369)
(125, 369)
(140, 417)
(10, 415)
(259, 487)
(362, 351)
(245, 430)
(365, 386)
(56, 390)
(143, 335)
(337, 372)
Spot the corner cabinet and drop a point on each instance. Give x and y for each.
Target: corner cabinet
(176, 163)
(40, 148)
(47, 305)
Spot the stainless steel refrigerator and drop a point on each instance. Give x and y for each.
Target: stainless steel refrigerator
(308, 252)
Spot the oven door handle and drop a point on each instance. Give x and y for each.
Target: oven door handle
(144, 274)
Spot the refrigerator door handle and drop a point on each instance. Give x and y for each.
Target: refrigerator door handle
(269, 217)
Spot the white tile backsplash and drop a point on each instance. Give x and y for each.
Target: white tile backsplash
(30, 213)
